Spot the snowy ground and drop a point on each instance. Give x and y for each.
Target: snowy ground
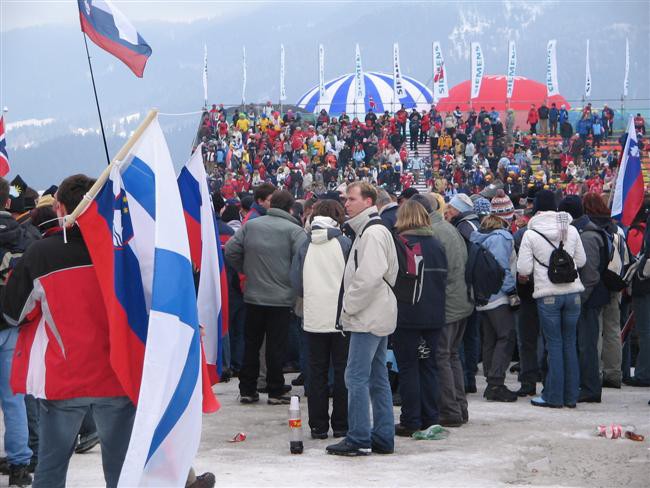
(502, 445)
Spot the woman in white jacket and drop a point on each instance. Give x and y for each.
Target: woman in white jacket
(558, 303)
(317, 276)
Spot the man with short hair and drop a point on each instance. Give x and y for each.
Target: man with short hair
(369, 314)
(77, 355)
(263, 249)
(261, 201)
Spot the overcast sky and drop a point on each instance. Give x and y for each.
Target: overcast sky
(24, 13)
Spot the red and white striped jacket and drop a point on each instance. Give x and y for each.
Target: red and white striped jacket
(63, 348)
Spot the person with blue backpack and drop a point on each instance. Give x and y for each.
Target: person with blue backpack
(496, 315)
(419, 325)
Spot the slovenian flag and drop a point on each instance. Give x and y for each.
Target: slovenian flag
(4, 157)
(113, 32)
(207, 260)
(134, 230)
(628, 193)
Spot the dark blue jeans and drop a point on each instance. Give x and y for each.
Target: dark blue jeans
(589, 359)
(471, 348)
(418, 382)
(60, 421)
(558, 316)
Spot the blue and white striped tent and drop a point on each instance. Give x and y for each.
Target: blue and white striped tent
(339, 95)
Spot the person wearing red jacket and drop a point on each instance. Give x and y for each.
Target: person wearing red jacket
(63, 350)
(533, 118)
(425, 125)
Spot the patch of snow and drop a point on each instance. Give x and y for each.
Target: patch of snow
(28, 123)
(81, 131)
(128, 119)
(471, 25)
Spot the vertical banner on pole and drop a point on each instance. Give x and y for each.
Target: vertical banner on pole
(478, 67)
(512, 68)
(626, 81)
(398, 86)
(243, 88)
(283, 92)
(587, 74)
(205, 75)
(440, 88)
(359, 85)
(552, 87)
(321, 76)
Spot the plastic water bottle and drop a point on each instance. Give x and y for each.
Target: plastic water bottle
(295, 426)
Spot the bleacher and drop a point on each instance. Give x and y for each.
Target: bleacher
(608, 144)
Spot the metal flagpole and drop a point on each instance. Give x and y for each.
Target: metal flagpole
(99, 112)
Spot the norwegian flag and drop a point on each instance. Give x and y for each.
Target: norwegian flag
(4, 157)
(440, 73)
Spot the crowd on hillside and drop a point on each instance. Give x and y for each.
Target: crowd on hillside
(340, 268)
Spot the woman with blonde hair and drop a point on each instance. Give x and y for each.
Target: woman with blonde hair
(418, 326)
(496, 316)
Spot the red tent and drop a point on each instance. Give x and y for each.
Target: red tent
(493, 94)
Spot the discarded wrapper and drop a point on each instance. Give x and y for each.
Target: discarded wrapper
(239, 437)
(613, 431)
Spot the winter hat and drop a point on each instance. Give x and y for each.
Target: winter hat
(45, 201)
(502, 206)
(408, 193)
(481, 206)
(461, 202)
(572, 204)
(544, 201)
(424, 201)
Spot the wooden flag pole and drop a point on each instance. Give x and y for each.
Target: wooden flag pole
(92, 193)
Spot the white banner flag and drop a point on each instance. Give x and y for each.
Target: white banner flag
(478, 67)
(626, 82)
(398, 86)
(283, 92)
(205, 75)
(321, 72)
(552, 87)
(359, 85)
(243, 88)
(587, 74)
(512, 68)
(440, 87)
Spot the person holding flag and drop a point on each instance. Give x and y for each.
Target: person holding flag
(628, 193)
(72, 373)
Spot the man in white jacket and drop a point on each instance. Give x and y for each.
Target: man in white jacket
(369, 314)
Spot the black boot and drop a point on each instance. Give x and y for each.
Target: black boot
(527, 389)
(19, 475)
(499, 393)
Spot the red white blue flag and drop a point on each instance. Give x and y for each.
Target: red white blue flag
(134, 230)
(207, 260)
(113, 32)
(628, 193)
(4, 157)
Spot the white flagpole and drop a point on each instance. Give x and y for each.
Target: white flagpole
(587, 74)
(359, 84)
(243, 89)
(626, 81)
(512, 68)
(321, 77)
(205, 76)
(283, 94)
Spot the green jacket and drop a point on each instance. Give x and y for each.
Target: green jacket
(263, 249)
(457, 305)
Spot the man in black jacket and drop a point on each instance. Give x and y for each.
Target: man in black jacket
(14, 240)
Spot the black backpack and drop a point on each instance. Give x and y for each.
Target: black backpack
(483, 274)
(410, 274)
(561, 268)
